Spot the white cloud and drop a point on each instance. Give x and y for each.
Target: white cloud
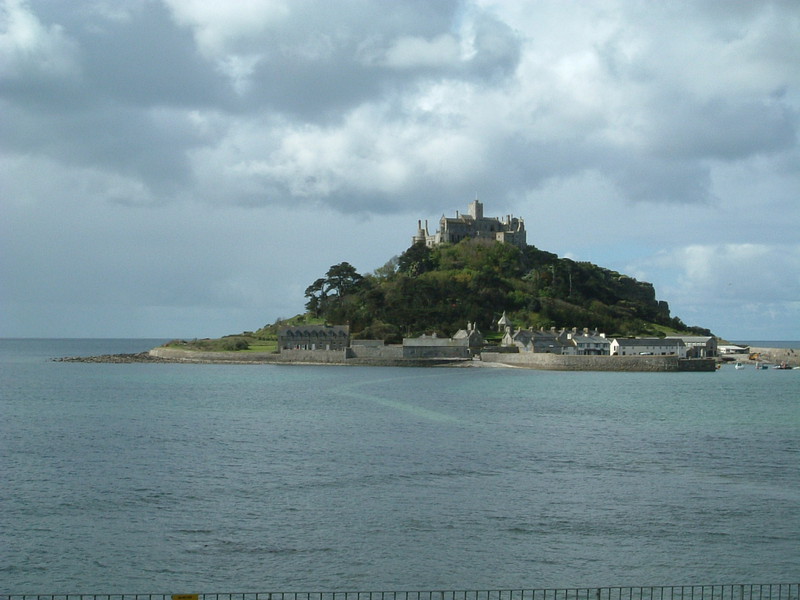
(415, 52)
(731, 287)
(27, 47)
(218, 26)
(745, 272)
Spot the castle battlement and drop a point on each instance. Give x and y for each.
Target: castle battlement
(509, 230)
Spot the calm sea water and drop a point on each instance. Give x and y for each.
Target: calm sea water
(162, 478)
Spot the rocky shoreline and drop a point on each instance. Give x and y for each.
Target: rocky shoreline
(139, 357)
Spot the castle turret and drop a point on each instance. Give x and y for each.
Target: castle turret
(422, 234)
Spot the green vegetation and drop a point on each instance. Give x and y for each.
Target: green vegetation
(442, 288)
(229, 343)
(264, 340)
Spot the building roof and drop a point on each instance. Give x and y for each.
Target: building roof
(649, 341)
(323, 331)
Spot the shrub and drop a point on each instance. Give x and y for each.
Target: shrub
(234, 344)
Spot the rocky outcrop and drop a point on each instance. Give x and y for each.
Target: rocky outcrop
(139, 357)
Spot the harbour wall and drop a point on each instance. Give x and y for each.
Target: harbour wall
(388, 357)
(287, 356)
(561, 362)
(373, 358)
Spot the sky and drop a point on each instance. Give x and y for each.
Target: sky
(185, 168)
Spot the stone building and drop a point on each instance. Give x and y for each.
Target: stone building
(509, 230)
(572, 342)
(432, 346)
(698, 346)
(533, 340)
(464, 344)
(313, 337)
(587, 343)
(472, 336)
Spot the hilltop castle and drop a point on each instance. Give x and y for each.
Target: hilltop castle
(510, 230)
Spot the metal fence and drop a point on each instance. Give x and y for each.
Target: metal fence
(759, 591)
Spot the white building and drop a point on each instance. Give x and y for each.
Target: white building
(648, 346)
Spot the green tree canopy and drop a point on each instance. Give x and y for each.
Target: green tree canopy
(442, 288)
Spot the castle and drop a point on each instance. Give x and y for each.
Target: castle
(510, 230)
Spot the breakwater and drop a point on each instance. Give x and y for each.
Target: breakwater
(298, 357)
(561, 362)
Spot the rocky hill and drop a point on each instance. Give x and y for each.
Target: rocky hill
(442, 288)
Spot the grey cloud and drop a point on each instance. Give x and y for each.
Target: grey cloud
(147, 145)
(324, 63)
(498, 48)
(114, 111)
(647, 179)
(150, 61)
(723, 129)
(140, 76)
(143, 59)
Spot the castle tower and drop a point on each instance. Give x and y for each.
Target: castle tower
(476, 209)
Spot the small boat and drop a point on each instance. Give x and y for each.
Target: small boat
(738, 365)
(783, 367)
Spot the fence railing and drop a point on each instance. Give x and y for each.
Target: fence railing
(759, 591)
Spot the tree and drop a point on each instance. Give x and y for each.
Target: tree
(416, 260)
(327, 293)
(317, 295)
(388, 270)
(342, 279)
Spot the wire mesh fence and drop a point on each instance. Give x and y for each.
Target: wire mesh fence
(760, 591)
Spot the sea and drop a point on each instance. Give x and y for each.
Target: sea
(166, 478)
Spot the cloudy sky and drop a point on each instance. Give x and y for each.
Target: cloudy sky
(186, 168)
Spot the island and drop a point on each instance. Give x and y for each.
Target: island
(473, 293)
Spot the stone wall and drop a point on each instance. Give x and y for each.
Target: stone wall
(287, 356)
(392, 352)
(560, 362)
